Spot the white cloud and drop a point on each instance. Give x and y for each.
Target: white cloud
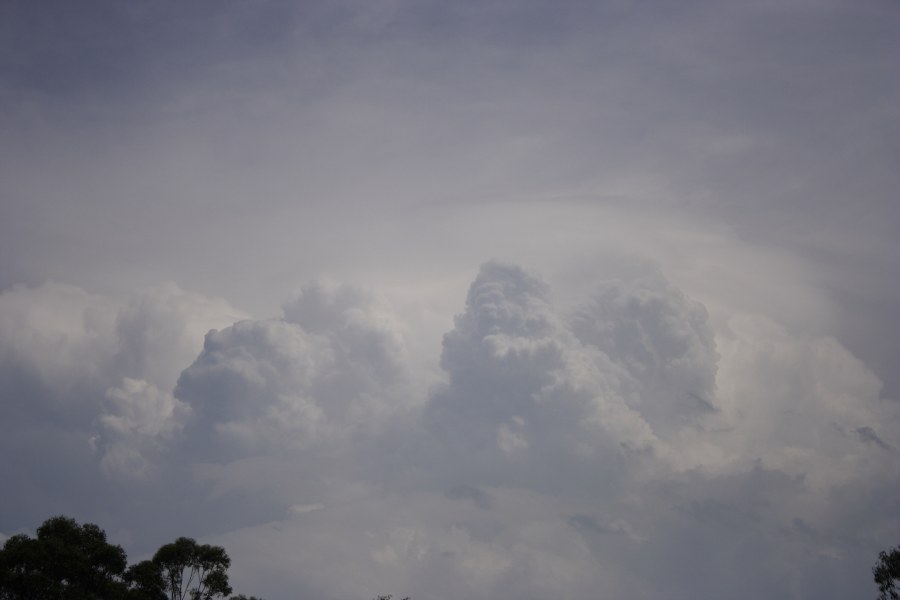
(139, 419)
(663, 340)
(299, 509)
(633, 367)
(510, 438)
(56, 341)
(161, 330)
(333, 368)
(103, 367)
(805, 406)
(577, 450)
(140, 408)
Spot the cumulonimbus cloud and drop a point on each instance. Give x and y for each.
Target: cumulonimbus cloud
(568, 450)
(331, 368)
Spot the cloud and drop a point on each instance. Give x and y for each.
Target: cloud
(332, 368)
(299, 509)
(140, 419)
(629, 441)
(664, 341)
(794, 403)
(87, 382)
(626, 372)
(160, 331)
(479, 497)
(56, 343)
(867, 434)
(714, 415)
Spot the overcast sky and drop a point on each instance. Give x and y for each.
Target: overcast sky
(474, 299)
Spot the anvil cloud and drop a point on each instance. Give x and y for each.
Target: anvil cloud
(458, 300)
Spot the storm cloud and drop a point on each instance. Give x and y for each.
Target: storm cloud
(458, 300)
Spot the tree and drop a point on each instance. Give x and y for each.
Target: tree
(20, 574)
(191, 571)
(887, 574)
(65, 561)
(68, 561)
(145, 582)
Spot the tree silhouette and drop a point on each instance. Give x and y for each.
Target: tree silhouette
(145, 582)
(887, 574)
(191, 571)
(68, 561)
(65, 561)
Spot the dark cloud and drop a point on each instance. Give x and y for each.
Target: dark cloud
(867, 434)
(479, 497)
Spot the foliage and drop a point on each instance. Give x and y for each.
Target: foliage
(65, 561)
(145, 582)
(887, 574)
(193, 571)
(68, 561)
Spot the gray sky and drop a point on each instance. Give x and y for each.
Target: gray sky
(504, 299)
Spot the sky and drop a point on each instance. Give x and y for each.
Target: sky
(495, 299)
